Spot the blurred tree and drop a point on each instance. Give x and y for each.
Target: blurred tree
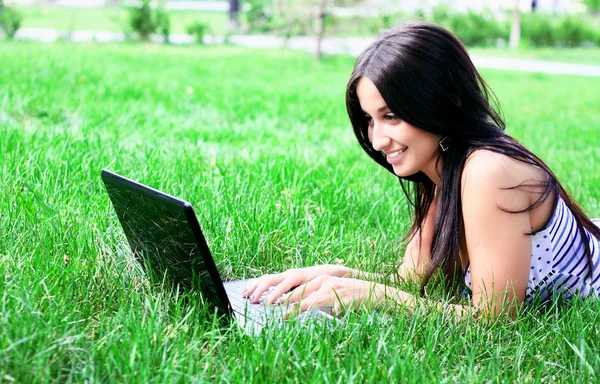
(295, 17)
(10, 21)
(141, 20)
(315, 14)
(515, 28)
(1, 5)
(592, 5)
(320, 27)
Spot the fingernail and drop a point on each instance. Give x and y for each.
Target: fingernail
(252, 298)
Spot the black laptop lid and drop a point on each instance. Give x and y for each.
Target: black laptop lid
(164, 235)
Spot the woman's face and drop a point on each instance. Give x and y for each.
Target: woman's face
(407, 148)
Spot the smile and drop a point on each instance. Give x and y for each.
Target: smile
(395, 157)
(395, 154)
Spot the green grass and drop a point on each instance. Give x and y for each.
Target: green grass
(259, 142)
(112, 19)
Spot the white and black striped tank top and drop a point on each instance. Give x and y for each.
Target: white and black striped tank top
(558, 260)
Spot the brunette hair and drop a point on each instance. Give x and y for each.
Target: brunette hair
(427, 79)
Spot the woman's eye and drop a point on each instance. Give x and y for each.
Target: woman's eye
(390, 116)
(369, 119)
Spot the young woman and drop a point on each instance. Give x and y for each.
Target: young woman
(488, 213)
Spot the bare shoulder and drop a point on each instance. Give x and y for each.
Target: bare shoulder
(491, 175)
(495, 226)
(485, 165)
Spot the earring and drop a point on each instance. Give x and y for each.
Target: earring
(444, 143)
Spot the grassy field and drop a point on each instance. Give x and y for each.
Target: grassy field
(111, 19)
(259, 143)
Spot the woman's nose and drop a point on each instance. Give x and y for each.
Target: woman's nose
(380, 141)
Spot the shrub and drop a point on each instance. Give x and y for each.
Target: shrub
(476, 29)
(593, 5)
(441, 15)
(573, 31)
(145, 21)
(482, 29)
(540, 30)
(260, 15)
(352, 25)
(473, 29)
(546, 30)
(140, 19)
(198, 30)
(10, 21)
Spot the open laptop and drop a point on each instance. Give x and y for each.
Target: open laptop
(165, 236)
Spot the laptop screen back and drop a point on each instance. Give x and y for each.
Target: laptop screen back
(159, 229)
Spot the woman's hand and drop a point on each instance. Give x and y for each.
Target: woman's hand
(336, 292)
(292, 278)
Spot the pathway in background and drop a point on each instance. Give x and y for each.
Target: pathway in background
(337, 45)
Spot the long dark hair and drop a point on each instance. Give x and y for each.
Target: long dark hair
(427, 79)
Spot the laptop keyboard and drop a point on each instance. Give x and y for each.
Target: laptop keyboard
(262, 314)
(244, 306)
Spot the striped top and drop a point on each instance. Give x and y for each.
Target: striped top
(558, 260)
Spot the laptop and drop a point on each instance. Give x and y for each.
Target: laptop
(165, 237)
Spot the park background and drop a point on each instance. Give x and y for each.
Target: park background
(242, 114)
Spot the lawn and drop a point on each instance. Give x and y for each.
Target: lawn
(112, 19)
(259, 142)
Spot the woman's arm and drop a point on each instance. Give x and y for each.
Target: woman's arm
(343, 293)
(418, 250)
(497, 239)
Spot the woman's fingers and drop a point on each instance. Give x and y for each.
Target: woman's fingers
(316, 292)
(283, 287)
(257, 288)
(316, 299)
(302, 291)
(343, 305)
(252, 284)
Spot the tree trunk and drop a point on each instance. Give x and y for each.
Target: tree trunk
(234, 15)
(320, 32)
(515, 29)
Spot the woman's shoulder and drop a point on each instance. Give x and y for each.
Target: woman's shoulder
(495, 176)
(484, 165)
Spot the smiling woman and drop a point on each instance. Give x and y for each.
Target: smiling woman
(488, 213)
(423, 145)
